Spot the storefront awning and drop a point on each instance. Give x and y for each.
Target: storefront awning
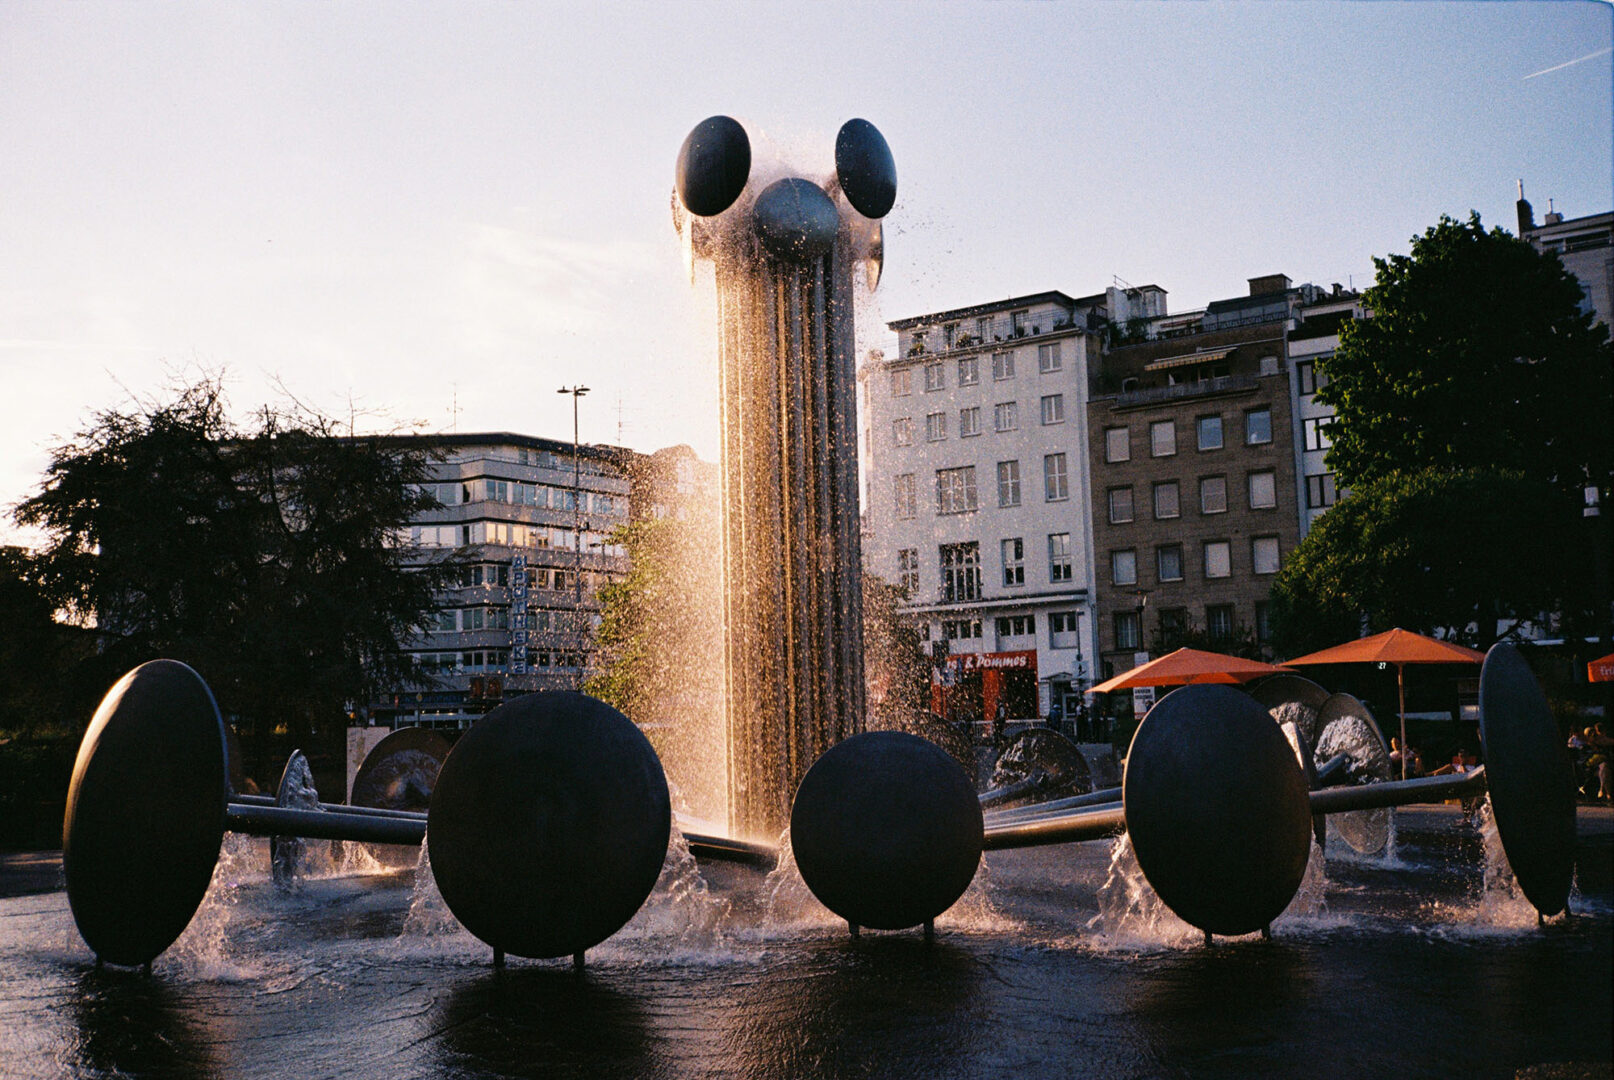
(1189, 358)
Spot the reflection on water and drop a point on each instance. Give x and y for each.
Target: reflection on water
(1393, 972)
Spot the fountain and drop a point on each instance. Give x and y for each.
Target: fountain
(784, 249)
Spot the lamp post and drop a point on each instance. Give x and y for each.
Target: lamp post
(577, 527)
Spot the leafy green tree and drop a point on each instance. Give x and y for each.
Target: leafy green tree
(1476, 356)
(1436, 551)
(266, 557)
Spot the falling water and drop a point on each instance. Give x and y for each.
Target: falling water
(792, 594)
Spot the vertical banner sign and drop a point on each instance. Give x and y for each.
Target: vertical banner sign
(1142, 696)
(518, 615)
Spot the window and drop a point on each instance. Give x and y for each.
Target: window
(1014, 562)
(1117, 444)
(1212, 494)
(1058, 557)
(1006, 416)
(1053, 409)
(1166, 501)
(908, 570)
(1016, 625)
(1263, 490)
(1264, 554)
(1048, 358)
(1120, 505)
(1126, 629)
(933, 377)
(1008, 483)
(1258, 426)
(1263, 622)
(1017, 322)
(902, 431)
(1316, 433)
(969, 371)
(1210, 432)
(1062, 630)
(955, 490)
(1173, 626)
(902, 382)
(935, 427)
(1320, 491)
(1163, 438)
(1124, 567)
(969, 421)
(1218, 559)
(961, 629)
(949, 334)
(1055, 484)
(1310, 379)
(983, 328)
(1219, 621)
(905, 495)
(1168, 562)
(1002, 365)
(961, 572)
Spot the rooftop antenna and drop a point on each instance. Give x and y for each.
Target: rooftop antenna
(619, 418)
(455, 410)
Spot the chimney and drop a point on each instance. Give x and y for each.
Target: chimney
(1553, 217)
(1527, 216)
(1271, 283)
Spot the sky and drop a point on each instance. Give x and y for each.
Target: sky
(437, 214)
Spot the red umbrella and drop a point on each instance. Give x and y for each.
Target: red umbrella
(1188, 666)
(1398, 647)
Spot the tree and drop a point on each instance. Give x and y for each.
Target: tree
(1472, 408)
(1477, 355)
(266, 558)
(1436, 551)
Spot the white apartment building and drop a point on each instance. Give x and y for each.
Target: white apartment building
(1312, 340)
(976, 497)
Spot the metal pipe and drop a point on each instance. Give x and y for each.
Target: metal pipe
(725, 849)
(1092, 798)
(1329, 768)
(1089, 824)
(1339, 800)
(1010, 792)
(254, 820)
(335, 808)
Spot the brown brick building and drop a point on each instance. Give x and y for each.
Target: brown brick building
(1191, 451)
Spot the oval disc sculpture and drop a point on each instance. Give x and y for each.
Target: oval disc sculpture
(400, 771)
(145, 812)
(713, 165)
(887, 830)
(549, 824)
(1345, 726)
(1217, 810)
(1529, 778)
(795, 220)
(865, 168)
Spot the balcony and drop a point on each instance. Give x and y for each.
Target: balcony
(1223, 384)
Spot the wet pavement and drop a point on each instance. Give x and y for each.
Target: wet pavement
(1057, 963)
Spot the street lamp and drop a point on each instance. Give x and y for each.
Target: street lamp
(577, 526)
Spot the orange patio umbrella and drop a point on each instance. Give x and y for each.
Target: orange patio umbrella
(1398, 647)
(1188, 666)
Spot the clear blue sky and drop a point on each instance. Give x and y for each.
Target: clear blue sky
(405, 206)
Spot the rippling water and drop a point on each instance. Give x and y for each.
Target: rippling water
(1053, 965)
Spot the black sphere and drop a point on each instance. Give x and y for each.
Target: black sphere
(1529, 777)
(795, 220)
(713, 165)
(145, 812)
(865, 168)
(549, 824)
(887, 830)
(1217, 809)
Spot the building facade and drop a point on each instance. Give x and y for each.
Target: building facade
(529, 528)
(1312, 340)
(1191, 439)
(976, 497)
(1585, 245)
